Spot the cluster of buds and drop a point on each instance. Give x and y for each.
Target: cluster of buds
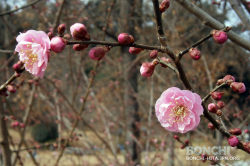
(238, 87)
(164, 5)
(214, 109)
(97, 53)
(18, 67)
(147, 69)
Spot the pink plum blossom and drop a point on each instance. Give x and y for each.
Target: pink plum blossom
(33, 48)
(179, 110)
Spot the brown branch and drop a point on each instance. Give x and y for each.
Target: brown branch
(210, 21)
(58, 14)
(4, 143)
(25, 6)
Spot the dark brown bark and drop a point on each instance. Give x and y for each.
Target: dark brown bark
(4, 143)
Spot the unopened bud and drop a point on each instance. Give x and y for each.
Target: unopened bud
(153, 54)
(233, 141)
(176, 137)
(50, 35)
(80, 47)
(16, 67)
(195, 54)
(220, 104)
(135, 50)
(58, 44)
(61, 28)
(166, 60)
(238, 87)
(235, 131)
(217, 95)
(164, 5)
(11, 89)
(125, 39)
(219, 36)
(212, 108)
(229, 77)
(97, 53)
(78, 31)
(147, 69)
(186, 142)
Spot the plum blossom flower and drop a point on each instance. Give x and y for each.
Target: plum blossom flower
(179, 110)
(33, 47)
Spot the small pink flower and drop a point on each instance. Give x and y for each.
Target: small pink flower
(238, 87)
(78, 31)
(219, 36)
(179, 110)
(33, 47)
(233, 141)
(134, 50)
(97, 53)
(147, 69)
(58, 44)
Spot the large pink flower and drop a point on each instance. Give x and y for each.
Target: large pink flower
(179, 110)
(33, 47)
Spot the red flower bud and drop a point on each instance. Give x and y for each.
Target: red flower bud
(235, 131)
(233, 141)
(61, 28)
(78, 31)
(246, 131)
(167, 60)
(195, 53)
(212, 108)
(153, 54)
(186, 142)
(164, 5)
(58, 44)
(147, 69)
(50, 35)
(229, 77)
(16, 67)
(182, 146)
(238, 87)
(217, 95)
(97, 53)
(220, 104)
(80, 47)
(211, 126)
(176, 137)
(11, 89)
(134, 50)
(219, 36)
(125, 39)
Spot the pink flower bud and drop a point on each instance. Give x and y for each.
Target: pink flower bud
(235, 131)
(247, 147)
(78, 31)
(186, 142)
(246, 131)
(176, 137)
(220, 104)
(80, 47)
(20, 63)
(125, 39)
(217, 95)
(153, 54)
(212, 108)
(97, 53)
(229, 77)
(16, 123)
(147, 69)
(22, 125)
(195, 53)
(164, 5)
(233, 141)
(16, 67)
(238, 87)
(182, 146)
(219, 36)
(167, 60)
(61, 28)
(50, 35)
(211, 126)
(134, 50)
(58, 44)
(11, 89)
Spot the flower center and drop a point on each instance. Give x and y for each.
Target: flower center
(31, 57)
(178, 113)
